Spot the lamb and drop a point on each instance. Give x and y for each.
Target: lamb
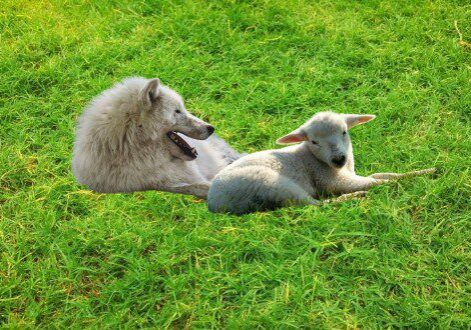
(321, 163)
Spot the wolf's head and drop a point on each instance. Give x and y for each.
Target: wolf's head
(326, 135)
(163, 115)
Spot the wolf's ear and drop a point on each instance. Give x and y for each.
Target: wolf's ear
(353, 120)
(150, 92)
(295, 136)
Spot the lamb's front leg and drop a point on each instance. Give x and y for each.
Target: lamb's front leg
(350, 183)
(395, 176)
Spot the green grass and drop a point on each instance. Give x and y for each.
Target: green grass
(399, 258)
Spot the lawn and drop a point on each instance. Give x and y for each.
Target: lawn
(401, 257)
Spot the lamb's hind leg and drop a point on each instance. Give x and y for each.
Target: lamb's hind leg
(301, 200)
(294, 195)
(301, 197)
(308, 200)
(345, 197)
(396, 176)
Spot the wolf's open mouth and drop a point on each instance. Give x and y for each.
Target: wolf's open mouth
(185, 147)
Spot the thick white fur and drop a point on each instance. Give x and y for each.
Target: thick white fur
(121, 143)
(321, 164)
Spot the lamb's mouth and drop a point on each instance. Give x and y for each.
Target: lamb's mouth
(181, 143)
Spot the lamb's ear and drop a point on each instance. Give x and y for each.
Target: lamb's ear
(296, 136)
(150, 92)
(353, 120)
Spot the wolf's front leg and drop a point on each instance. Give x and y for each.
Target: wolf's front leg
(199, 190)
(396, 176)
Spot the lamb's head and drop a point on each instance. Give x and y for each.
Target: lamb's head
(326, 135)
(163, 113)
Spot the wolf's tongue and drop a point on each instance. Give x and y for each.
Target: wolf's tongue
(181, 143)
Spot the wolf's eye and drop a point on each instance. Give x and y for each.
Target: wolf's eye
(314, 142)
(178, 111)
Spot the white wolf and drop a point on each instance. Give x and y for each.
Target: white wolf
(130, 139)
(322, 164)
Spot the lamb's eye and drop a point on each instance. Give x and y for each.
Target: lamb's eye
(178, 111)
(344, 133)
(314, 142)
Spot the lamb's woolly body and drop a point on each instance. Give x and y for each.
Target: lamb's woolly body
(296, 174)
(270, 179)
(118, 148)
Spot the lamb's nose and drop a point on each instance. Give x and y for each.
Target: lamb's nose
(210, 129)
(339, 160)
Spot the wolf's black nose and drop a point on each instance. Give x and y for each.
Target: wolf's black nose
(339, 161)
(210, 129)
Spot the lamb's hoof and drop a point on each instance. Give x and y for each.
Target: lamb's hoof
(354, 195)
(346, 197)
(423, 172)
(361, 193)
(429, 170)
